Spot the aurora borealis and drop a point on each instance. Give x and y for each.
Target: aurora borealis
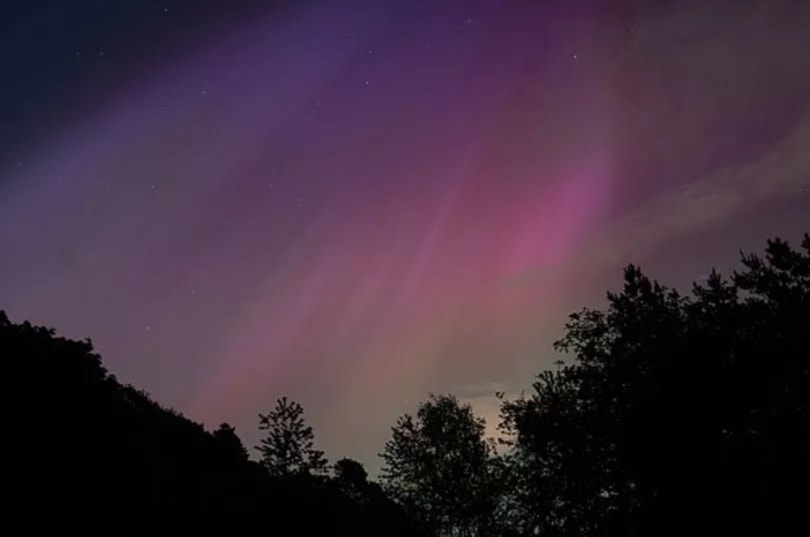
(354, 203)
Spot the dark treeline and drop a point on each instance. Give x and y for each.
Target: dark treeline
(91, 456)
(674, 414)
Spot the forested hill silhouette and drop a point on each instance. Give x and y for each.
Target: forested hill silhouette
(677, 414)
(92, 456)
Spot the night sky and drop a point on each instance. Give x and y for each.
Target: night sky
(355, 203)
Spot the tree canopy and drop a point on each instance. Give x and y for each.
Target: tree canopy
(437, 464)
(678, 411)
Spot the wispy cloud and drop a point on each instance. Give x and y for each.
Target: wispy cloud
(782, 173)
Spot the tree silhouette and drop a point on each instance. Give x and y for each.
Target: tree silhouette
(288, 448)
(437, 465)
(352, 478)
(229, 443)
(678, 412)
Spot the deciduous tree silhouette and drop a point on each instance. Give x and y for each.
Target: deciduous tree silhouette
(437, 465)
(678, 412)
(352, 478)
(229, 443)
(289, 447)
